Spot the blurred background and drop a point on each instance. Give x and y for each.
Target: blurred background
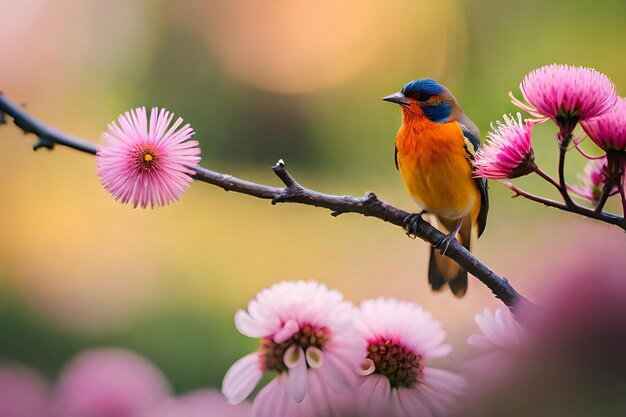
(260, 81)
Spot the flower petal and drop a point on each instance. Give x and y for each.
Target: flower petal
(314, 357)
(338, 373)
(248, 326)
(297, 383)
(273, 400)
(242, 377)
(288, 330)
(373, 395)
(413, 403)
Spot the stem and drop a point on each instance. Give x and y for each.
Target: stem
(48, 136)
(369, 205)
(606, 193)
(562, 185)
(583, 153)
(598, 215)
(547, 177)
(622, 193)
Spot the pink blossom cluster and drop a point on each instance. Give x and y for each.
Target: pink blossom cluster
(330, 358)
(592, 182)
(368, 360)
(567, 95)
(106, 382)
(326, 358)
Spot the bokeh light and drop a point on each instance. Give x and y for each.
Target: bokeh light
(304, 46)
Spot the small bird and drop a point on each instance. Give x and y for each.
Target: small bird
(435, 147)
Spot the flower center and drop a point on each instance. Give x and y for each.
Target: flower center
(401, 366)
(272, 353)
(146, 157)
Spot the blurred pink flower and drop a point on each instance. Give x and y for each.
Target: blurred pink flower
(109, 383)
(395, 340)
(566, 92)
(147, 161)
(500, 331)
(608, 130)
(202, 403)
(501, 340)
(508, 152)
(23, 392)
(593, 180)
(572, 360)
(305, 332)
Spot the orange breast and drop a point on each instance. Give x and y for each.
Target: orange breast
(434, 168)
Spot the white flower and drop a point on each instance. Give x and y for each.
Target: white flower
(500, 331)
(305, 333)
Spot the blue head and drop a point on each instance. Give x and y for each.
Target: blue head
(426, 97)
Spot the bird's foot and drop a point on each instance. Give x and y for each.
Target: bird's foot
(443, 243)
(412, 221)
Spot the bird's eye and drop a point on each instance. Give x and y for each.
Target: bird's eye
(423, 96)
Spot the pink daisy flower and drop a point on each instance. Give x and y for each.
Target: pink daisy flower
(500, 341)
(109, 383)
(592, 182)
(566, 93)
(608, 130)
(395, 339)
(147, 162)
(500, 331)
(305, 333)
(508, 152)
(24, 392)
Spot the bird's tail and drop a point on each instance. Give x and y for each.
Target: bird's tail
(443, 270)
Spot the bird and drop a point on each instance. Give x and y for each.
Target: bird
(434, 151)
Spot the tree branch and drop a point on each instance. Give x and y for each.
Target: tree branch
(598, 215)
(369, 205)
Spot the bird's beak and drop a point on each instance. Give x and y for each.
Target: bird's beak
(398, 98)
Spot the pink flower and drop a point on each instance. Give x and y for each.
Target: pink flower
(203, 403)
(565, 92)
(23, 392)
(508, 152)
(305, 331)
(109, 383)
(593, 181)
(500, 331)
(501, 340)
(147, 161)
(608, 130)
(396, 339)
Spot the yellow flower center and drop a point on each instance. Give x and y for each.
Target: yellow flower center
(146, 157)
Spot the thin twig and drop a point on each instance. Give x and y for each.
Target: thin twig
(368, 205)
(622, 193)
(47, 136)
(602, 216)
(547, 177)
(562, 184)
(606, 193)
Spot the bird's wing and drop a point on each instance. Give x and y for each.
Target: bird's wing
(471, 135)
(395, 158)
(472, 143)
